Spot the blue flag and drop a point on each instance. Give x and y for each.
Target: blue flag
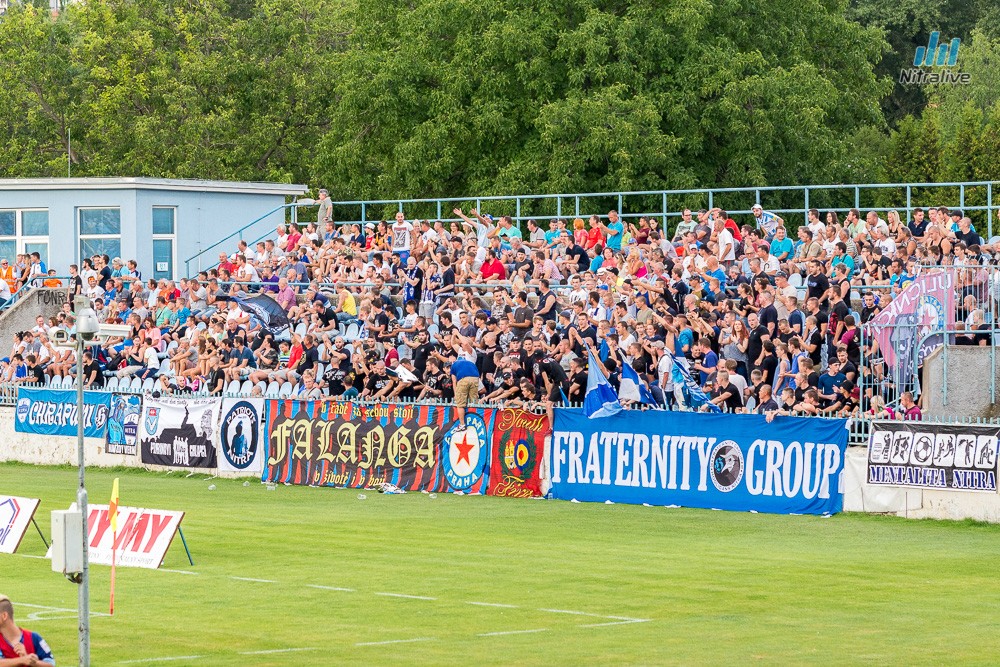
(631, 388)
(600, 399)
(694, 395)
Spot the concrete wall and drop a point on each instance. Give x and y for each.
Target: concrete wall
(965, 371)
(858, 495)
(61, 450)
(21, 316)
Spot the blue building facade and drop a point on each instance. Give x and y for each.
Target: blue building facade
(157, 222)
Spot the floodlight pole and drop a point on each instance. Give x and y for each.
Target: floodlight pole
(82, 302)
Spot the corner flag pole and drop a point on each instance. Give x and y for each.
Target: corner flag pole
(113, 519)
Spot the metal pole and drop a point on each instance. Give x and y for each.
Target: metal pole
(81, 499)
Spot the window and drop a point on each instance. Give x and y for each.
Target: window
(24, 231)
(163, 241)
(100, 232)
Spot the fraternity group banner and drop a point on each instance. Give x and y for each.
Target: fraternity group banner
(905, 329)
(53, 412)
(142, 539)
(179, 431)
(123, 424)
(241, 442)
(949, 457)
(792, 465)
(15, 515)
(413, 447)
(518, 453)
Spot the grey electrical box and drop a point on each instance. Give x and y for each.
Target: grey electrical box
(67, 541)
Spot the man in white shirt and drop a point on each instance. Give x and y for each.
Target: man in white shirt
(402, 236)
(726, 242)
(766, 221)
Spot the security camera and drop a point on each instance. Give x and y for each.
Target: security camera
(60, 337)
(115, 330)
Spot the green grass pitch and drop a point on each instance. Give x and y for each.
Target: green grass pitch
(494, 581)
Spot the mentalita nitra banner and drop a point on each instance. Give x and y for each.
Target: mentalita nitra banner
(518, 453)
(179, 432)
(792, 465)
(241, 442)
(947, 457)
(53, 412)
(123, 424)
(413, 447)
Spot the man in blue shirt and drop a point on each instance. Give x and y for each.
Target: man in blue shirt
(830, 382)
(17, 645)
(465, 380)
(614, 231)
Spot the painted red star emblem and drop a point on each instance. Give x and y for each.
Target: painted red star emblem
(464, 448)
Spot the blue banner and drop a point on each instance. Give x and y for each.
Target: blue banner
(792, 465)
(53, 412)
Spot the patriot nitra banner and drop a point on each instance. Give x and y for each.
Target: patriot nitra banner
(791, 465)
(123, 424)
(179, 432)
(240, 440)
(947, 457)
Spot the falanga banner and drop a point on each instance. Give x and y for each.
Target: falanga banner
(53, 412)
(792, 465)
(344, 444)
(948, 457)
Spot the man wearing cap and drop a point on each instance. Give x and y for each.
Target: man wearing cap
(17, 645)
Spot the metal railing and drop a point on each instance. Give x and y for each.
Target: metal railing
(975, 197)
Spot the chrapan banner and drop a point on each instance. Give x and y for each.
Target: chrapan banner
(412, 447)
(518, 454)
(948, 457)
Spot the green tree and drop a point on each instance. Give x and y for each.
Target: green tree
(439, 97)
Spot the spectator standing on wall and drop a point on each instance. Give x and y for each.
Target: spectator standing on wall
(325, 212)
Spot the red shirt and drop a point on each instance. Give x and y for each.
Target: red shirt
(594, 236)
(493, 269)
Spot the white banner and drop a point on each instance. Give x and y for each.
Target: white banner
(179, 432)
(142, 540)
(15, 515)
(241, 442)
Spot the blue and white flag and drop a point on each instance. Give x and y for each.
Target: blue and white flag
(694, 395)
(632, 388)
(600, 399)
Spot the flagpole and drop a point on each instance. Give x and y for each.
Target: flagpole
(114, 544)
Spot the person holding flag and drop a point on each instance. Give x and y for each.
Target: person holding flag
(600, 399)
(632, 388)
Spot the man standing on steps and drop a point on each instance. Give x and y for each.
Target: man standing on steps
(17, 645)
(325, 213)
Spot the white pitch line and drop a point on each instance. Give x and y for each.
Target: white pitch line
(35, 557)
(396, 641)
(585, 613)
(492, 604)
(603, 625)
(276, 650)
(163, 569)
(510, 632)
(171, 659)
(408, 597)
(330, 588)
(258, 581)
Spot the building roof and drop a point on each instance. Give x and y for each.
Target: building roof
(138, 183)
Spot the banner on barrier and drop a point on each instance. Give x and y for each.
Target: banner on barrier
(142, 540)
(179, 432)
(948, 457)
(792, 465)
(15, 515)
(53, 412)
(518, 452)
(413, 447)
(240, 440)
(123, 424)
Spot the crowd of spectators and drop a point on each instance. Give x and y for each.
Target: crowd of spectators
(764, 314)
